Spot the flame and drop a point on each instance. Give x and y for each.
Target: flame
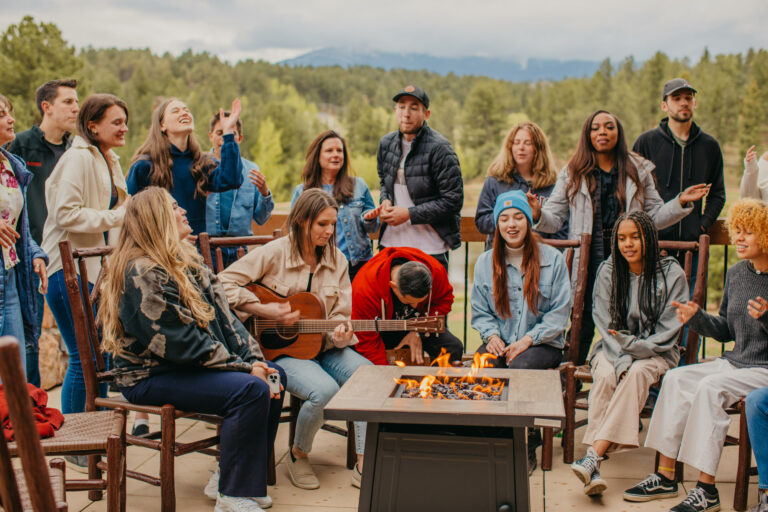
(468, 387)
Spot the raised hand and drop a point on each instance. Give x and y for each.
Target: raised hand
(372, 214)
(694, 193)
(228, 124)
(685, 311)
(757, 307)
(751, 154)
(533, 202)
(8, 235)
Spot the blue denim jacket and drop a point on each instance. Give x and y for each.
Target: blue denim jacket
(351, 230)
(27, 250)
(548, 325)
(247, 204)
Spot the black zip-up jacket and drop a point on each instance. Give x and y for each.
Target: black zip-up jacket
(677, 168)
(434, 181)
(30, 145)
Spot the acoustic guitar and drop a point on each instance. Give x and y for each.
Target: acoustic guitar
(304, 339)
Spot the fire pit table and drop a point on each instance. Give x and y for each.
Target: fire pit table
(454, 452)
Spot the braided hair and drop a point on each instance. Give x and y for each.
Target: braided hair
(651, 305)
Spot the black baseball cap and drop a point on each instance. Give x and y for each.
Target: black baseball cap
(675, 85)
(415, 91)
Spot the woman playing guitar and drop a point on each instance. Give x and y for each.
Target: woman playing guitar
(307, 260)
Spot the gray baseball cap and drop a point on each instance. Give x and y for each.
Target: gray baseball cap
(675, 85)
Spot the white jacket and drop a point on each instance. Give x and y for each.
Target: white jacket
(754, 182)
(579, 213)
(77, 194)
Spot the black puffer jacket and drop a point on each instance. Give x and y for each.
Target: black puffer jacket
(700, 161)
(433, 176)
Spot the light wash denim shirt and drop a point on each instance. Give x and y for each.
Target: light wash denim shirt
(247, 204)
(545, 327)
(351, 229)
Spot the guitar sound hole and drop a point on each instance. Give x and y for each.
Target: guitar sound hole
(287, 331)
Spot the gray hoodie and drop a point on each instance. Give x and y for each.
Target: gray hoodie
(635, 343)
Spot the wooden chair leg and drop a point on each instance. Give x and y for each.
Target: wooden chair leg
(115, 474)
(94, 473)
(570, 414)
(741, 486)
(351, 448)
(546, 449)
(167, 444)
(295, 404)
(271, 471)
(679, 472)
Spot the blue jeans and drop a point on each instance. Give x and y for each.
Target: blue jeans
(249, 425)
(316, 381)
(757, 423)
(73, 390)
(13, 322)
(32, 346)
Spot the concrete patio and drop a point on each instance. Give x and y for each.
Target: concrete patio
(563, 490)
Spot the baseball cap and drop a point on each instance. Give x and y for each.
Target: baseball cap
(675, 85)
(415, 91)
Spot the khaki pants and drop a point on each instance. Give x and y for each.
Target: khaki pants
(689, 422)
(614, 407)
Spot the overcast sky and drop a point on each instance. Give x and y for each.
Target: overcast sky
(274, 30)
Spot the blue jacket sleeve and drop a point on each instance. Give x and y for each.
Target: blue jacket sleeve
(553, 321)
(485, 204)
(296, 193)
(228, 174)
(484, 317)
(262, 207)
(138, 176)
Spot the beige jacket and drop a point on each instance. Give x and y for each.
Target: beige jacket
(77, 194)
(273, 266)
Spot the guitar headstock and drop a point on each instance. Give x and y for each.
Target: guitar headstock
(426, 324)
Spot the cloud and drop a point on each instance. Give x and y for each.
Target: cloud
(562, 29)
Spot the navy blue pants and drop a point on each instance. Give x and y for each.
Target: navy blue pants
(250, 421)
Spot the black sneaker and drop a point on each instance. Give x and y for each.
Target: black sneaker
(596, 485)
(587, 469)
(532, 462)
(698, 500)
(652, 488)
(140, 430)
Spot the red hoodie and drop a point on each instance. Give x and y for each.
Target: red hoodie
(371, 285)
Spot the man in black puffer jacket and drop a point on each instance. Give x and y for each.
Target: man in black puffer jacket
(684, 155)
(422, 191)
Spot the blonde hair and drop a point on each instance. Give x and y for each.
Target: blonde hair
(750, 215)
(504, 167)
(299, 223)
(149, 232)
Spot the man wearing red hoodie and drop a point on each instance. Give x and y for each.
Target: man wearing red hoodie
(401, 283)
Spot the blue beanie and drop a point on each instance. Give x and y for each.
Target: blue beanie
(512, 199)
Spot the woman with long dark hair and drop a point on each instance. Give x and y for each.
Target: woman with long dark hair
(306, 260)
(327, 166)
(524, 163)
(602, 180)
(638, 327)
(167, 322)
(521, 296)
(171, 158)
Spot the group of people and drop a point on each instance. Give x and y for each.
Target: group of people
(171, 324)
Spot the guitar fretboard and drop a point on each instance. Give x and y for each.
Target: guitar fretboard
(320, 326)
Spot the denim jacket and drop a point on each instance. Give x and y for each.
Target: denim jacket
(545, 327)
(27, 250)
(351, 229)
(248, 204)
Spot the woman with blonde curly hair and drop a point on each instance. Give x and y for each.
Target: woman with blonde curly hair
(524, 163)
(689, 422)
(166, 320)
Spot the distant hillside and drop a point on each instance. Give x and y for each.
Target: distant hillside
(503, 69)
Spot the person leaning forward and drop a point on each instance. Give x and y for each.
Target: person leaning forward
(422, 191)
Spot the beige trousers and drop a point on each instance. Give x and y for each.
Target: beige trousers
(614, 407)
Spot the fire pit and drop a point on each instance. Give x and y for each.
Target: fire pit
(457, 452)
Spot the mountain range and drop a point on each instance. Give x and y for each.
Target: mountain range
(502, 68)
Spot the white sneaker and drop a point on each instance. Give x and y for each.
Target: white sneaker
(212, 491)
(235, 504)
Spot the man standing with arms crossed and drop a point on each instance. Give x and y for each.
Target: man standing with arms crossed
(422, 191)
(41, 147)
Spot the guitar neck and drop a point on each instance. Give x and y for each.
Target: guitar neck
(320, 326)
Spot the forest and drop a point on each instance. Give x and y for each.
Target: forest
(285, 107)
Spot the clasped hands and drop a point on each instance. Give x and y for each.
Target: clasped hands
(392, 215)
(497, 347)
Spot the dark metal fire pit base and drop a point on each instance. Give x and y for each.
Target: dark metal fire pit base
(419, 468)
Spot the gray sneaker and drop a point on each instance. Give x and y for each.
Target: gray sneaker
(587, 469)
(762, 502)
